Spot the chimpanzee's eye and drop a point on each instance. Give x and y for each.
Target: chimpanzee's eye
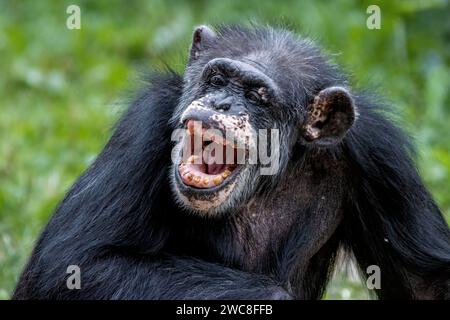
(253, 96)
(217, 80)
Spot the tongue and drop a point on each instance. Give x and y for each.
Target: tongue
(211, 166)
(215, 168)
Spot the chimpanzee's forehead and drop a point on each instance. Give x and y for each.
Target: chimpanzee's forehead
(257, 61)
(283, 69)
(266, 62)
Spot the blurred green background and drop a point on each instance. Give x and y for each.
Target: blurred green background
(61, 90)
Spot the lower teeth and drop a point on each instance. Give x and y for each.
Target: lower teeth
(201, 180)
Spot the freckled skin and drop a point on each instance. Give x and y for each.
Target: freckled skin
(238, 126)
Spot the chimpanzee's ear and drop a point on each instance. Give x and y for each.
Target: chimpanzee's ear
(329, 116)
(202, 38)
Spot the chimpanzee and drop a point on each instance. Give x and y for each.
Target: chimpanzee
(156, 217)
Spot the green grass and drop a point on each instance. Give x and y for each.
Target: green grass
(61, 90)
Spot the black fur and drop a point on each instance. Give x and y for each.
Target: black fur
(121, 225)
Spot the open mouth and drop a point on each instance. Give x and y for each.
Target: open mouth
(208, 159)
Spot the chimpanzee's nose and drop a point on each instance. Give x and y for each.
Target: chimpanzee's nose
(223, 104)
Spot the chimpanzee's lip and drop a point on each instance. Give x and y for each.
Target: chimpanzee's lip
(203, 189)
(205, 171)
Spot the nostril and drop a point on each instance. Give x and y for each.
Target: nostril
(223, 106)
(224, 103)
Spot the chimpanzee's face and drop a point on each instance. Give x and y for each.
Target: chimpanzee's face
(223, 152)
(242, 112)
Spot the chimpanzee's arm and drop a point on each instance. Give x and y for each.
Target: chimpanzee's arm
(133, 277)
